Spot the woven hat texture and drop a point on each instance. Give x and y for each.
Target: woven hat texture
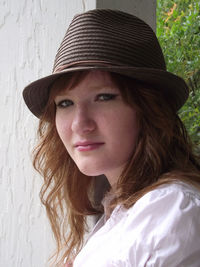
(114, 41)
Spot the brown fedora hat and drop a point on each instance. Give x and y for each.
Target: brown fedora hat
(114, 41)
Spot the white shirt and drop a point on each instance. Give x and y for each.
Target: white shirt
(162, 229)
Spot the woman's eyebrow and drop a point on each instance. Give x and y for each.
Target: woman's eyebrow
(106, 90)
(95, 89)
(62, 94)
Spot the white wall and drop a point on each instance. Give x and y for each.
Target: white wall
(30, 32)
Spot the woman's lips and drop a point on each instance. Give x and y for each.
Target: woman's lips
(87, 146)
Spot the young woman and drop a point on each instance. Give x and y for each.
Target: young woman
(110, 110)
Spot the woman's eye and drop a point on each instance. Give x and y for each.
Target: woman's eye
(64, 103)
(105, 97)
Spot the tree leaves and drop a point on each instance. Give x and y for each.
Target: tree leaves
(178, 30)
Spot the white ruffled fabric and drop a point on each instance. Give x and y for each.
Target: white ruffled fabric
(161, 230)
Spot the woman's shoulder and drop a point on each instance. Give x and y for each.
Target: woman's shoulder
(165, 223)
(175, 197)
(168, 206)
(169, 192)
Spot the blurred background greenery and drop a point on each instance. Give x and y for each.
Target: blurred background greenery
(178, 30)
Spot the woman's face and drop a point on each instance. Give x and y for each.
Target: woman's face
(98, 129)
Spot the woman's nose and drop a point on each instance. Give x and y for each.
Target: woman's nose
(83, 121)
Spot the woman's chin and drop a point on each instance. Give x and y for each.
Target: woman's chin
(90, 171)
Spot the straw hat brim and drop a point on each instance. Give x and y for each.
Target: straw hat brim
(173, 87)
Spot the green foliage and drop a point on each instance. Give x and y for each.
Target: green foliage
(178, 30)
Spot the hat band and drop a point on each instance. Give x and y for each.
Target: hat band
(87, 63)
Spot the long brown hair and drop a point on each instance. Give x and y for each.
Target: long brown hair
(163, 154)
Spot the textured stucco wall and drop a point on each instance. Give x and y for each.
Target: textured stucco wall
(30, 32)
